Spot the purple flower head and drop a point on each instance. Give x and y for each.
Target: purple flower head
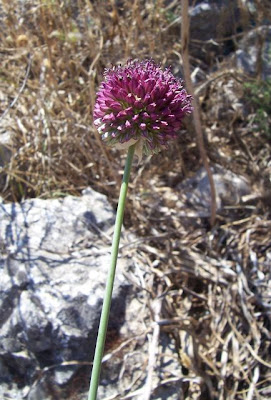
(140, 103)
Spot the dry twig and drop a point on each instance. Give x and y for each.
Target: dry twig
(196, 113)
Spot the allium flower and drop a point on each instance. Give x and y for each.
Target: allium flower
(140, 103)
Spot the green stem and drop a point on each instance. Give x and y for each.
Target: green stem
(96, 369)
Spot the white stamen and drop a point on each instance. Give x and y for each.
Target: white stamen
(97, 121)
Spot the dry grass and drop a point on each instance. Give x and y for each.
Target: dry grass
(215, 283)
(65, 46)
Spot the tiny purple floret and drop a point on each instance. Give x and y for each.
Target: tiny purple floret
(141, 102)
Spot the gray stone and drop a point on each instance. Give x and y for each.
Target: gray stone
(5, 153)
(5, 144)
(254, 53)
(212, 19)
(195, 194)
(54, 263)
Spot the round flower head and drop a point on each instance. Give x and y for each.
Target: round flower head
(140, 103)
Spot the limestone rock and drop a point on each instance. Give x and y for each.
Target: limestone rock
(55, 256)
(253, 55)
(195, 193)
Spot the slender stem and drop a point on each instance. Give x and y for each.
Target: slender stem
(96, 369)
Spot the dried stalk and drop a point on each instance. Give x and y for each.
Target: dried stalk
(196, 113)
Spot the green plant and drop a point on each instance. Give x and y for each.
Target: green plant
(141, 107)
(258, 97)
